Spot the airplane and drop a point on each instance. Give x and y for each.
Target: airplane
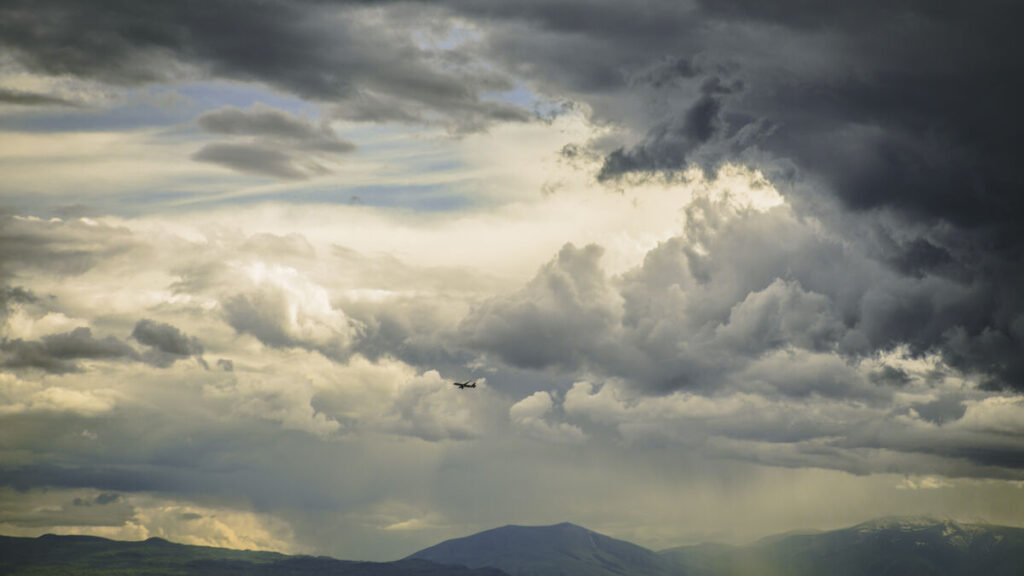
(466, 384)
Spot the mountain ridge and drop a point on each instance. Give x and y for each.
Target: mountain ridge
(95, 556)
(564, 549)
(907, 546)
(903, 545)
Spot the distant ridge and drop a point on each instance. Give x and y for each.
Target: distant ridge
(94, 556)
(558, 550)
(902, 545)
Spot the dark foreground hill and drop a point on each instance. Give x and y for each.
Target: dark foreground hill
(887, 547)
(88, 556)
(559, 550)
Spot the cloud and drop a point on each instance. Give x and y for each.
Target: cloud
(671, 146)
(739, 283)
(558, 319)
(167, 343)
(262, 121)
(19, 396)
(138, 517)
(810, 431)
(284, 308)
(284, 401)
(22, 98)
(280, 144)
(362, 58)
(59, 353)
(529, 415)
(254, 159)
(64, 248)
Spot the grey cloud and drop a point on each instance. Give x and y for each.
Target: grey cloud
(280, 145)
(818, 431)
(167, 343)
(272, 315)
(107, 498)
(255, 159)
(76, 512)
(22, 98)
(65, 248)
(559, 319)
(672, 145)
(945, 409)
(263, 316)
(273, 124)
(225, 365)
(58, 353)
(13, 295)
(102, 499)
(890, 376)
(910, 117)
(329, 52)
(103, 478)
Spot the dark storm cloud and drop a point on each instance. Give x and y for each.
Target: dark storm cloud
(331, 52)
(909, 123)
(58, 353)
(911, 116)
(167, 343)
(279, 144)
(737, 286)
(22, 98)
(670, 146)
(103, 478)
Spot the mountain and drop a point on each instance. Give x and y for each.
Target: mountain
(890, 546)
(89, 556)
(885, 547)
(559, 550)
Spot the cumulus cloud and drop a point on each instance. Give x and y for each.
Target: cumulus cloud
(284, 308)
(282, 400)
(562, 316)
(530, 415)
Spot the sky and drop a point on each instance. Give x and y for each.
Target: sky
(721, 269)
